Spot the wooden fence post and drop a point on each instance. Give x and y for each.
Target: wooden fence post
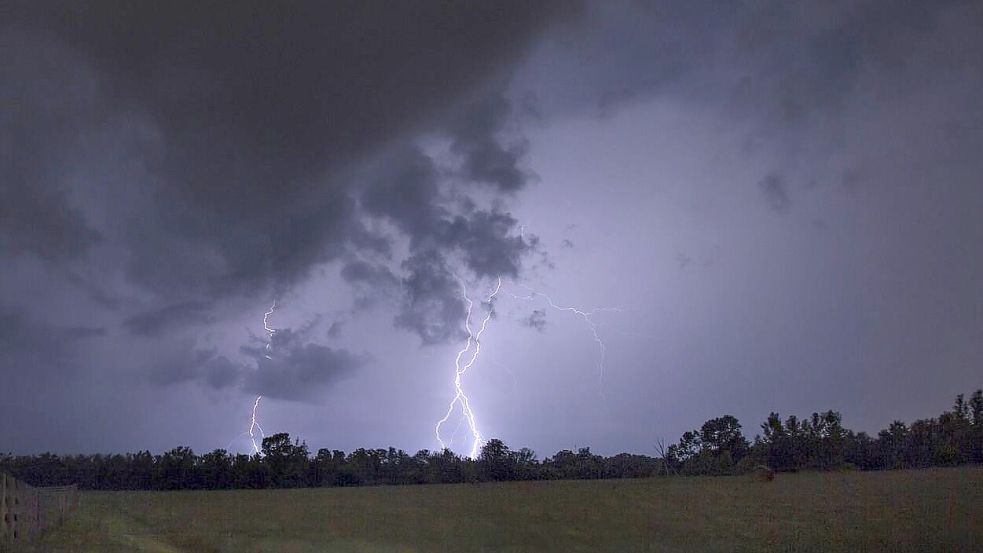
(26, 510)
(4, 510)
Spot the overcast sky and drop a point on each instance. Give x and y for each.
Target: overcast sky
(753, 207)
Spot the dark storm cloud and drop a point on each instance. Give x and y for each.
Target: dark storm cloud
(778, 62)
(294, 369)
(369, 283)
(166, 169)
(363, 271)
(256, 109)
(220, 372)
(288, 367)
(410, 192)
(159, 320)
(775, 191)
(36, 219)
(406, 191)
(203, 365)
(433, 307)
(478, 140)
(817, 71)
(197, 155)
(29, 343)
(93, 290)
(39, 112)
(302, 373)
(486, 242)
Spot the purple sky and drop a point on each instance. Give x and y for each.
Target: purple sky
(781, 200)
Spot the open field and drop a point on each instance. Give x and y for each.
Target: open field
(926, 510)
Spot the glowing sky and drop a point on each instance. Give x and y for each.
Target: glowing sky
(783, 200)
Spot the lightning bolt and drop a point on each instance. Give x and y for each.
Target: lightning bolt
(269, 331)
(460, 398)
(587, 316)
(253, 425)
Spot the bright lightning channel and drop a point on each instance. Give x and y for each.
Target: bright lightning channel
(253, 425)
(460, 398)
(269, 331)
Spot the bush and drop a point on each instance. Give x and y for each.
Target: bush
(763, 473)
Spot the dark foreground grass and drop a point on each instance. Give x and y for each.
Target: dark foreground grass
(926, 510)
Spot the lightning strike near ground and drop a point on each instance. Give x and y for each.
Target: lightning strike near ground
(460, 398)
(253, 425)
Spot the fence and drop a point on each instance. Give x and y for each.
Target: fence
(26, 510)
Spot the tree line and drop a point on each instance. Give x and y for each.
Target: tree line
(718, 447)
(821, 442)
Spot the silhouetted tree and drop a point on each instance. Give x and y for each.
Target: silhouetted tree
(976, 435)
(216, 470)
(287, 461)
(495, 461)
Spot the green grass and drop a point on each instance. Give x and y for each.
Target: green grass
(926, 510)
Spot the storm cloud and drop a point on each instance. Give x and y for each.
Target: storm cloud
(784, 198)
(250, 127)
(226, 162)
(293, 368)
(37, 344)
(159, 320)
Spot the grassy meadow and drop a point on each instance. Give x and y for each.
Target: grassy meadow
(923, 510)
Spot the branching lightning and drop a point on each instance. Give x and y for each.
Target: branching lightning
(460, 398)
(472, 347)
(587, 316)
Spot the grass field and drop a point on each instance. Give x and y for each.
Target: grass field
(927, 510)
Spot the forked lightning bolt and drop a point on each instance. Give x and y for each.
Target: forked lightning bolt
(459, 370)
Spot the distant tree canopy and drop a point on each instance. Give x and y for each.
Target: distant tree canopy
(713, 449)
(818, 442)
(821, 442)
